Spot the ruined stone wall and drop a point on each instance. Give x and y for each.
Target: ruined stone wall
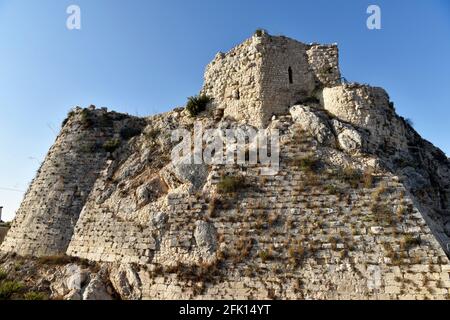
(353, 213)
(125, 213)
(312, 67)
(317, 244)
(3, 231)
(324, 61)
(45, 220)
(367, 108)
(293, 235)
(424, 168)
(252, 82)
(234, 81)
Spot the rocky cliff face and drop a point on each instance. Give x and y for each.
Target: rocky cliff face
(359, 207)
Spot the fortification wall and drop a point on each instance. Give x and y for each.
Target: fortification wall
(317, 229)
(47, 216)
(367, 108)
(265, 75)
(288, 236)
(126, 213)
(234, 81)
(3, 232)
(423, 167)
(292, 71)
(324, 61)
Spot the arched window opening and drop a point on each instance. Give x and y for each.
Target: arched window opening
(291, 80)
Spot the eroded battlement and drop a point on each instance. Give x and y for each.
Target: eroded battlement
(265, 75)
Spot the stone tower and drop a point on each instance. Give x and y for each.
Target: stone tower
(44, 223)
(265, 75)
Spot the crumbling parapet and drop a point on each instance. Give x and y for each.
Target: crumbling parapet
(265, 75)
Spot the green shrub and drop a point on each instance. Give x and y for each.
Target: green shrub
(409, 241)
(128, 132)
(259, 32)
(3, 275)
(90, 147)
(331, 189)
(9, 288)
(56, 260)
(197, 104)
(265, 255)
(35, 296)
(152, 134)
(350, 175)
(230, 184)
(105, 121)
(66, 120)
(307, 163)
(86, 118)
(111, 145)
(409, 122)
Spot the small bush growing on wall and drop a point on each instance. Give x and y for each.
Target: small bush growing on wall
(129, 132)
(111, 145)
(409, 122)
(409, 241)
(35, 296)
(197, 104)
(230, 184)
(86, 118)
(259, 32)
(152, 134)
(350, 175)
(3, 275)
(69, 115)
(307, 163)
(9, 288)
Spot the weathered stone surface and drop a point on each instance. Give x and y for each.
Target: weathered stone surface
(3, 232)
(150, 191)
(365, 218)
(96, 290)
(205, 236)
(281, 70)
(348, 138)
(126, 282)
(45, 221)
(313, 123)
(69, 282)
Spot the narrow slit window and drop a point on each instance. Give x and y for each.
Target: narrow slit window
(291, 80)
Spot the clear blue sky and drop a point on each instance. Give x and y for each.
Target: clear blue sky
(146, 56)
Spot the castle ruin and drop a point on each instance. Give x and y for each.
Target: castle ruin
(265, 75)
(360, 208)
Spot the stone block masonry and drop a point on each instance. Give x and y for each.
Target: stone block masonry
(49, 212)
(296, 235)
(265, 75)
(3, 232)
(358, 210)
